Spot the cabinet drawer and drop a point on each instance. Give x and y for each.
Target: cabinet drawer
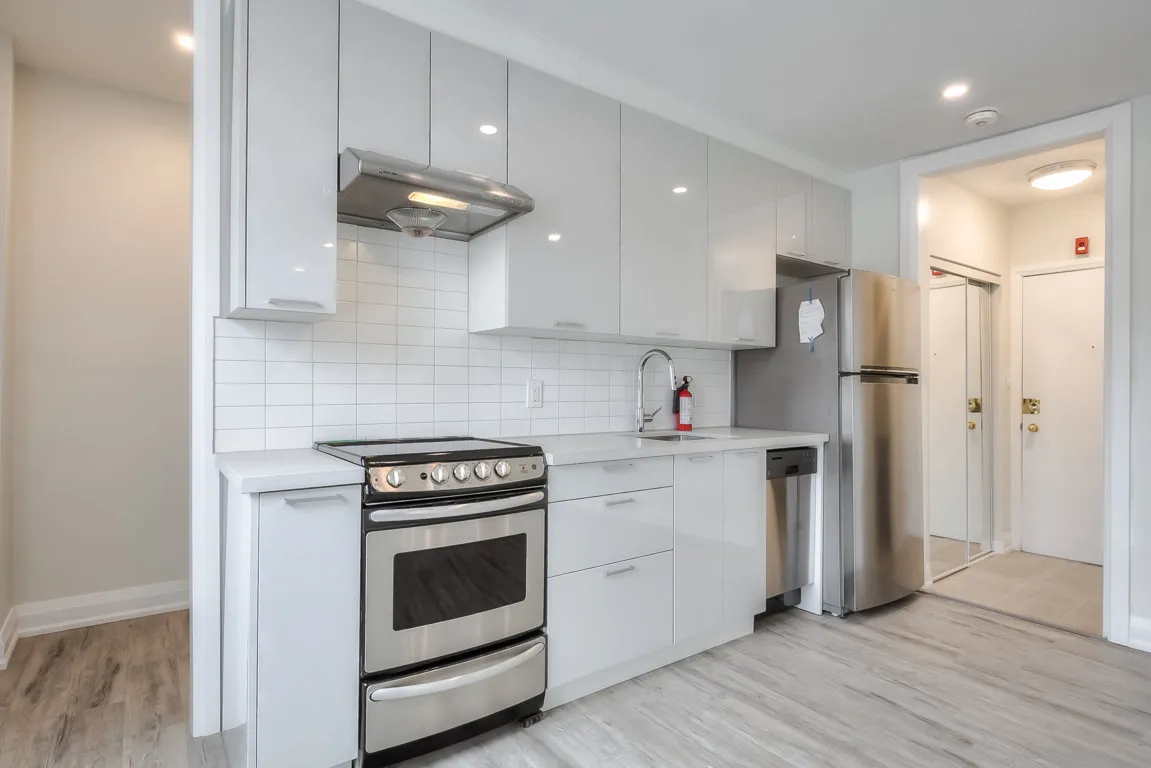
(579, 481)
(601, 617)
(584, 533)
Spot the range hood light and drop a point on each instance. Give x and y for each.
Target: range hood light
(438, 201)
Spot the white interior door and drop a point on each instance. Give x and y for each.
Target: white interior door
(976, 496)
(947, 394)
(1062, 460)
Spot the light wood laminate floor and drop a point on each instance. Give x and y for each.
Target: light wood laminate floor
(1062, 593)
(927, 682)
(950, 553)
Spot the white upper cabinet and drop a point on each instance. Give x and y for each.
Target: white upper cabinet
(663, 228)
(469, 109)
(793, 214)
(385, 70)
(830, 211)
(741, 191)
(282, 254)
(563, 258)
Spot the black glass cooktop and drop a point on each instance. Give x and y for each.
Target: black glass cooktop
(365, 451)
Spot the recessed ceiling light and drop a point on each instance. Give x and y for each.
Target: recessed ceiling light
(955, 91)
(1061, 175)
(679, 190)
(555, 237)
(329, 245)
(186, 41)
(488, 130)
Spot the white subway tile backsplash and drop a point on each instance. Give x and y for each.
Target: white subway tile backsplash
(288, 416)
(397, 360)
(289, 394)
(239, 394)
(239, 349)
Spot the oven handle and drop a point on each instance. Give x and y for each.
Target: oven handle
(407, 514)
(459, 681)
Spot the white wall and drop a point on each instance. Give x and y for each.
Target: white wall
(961, 226)
(1043, 233)
(7, 74)
(1141, 372)
(875, 218)
(397, 361)
(99, 372)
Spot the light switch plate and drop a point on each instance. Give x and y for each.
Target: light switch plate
(535, 398)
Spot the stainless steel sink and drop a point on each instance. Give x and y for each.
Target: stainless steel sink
(675, 438)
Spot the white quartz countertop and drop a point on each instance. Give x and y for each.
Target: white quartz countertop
(263, 471)
(613, 446)
(266, 471)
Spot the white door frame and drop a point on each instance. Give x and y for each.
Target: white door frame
(1114, 123)
(1017, 378)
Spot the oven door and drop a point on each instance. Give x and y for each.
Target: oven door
(451, 585)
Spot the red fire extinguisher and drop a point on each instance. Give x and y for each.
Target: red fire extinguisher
(682, 406)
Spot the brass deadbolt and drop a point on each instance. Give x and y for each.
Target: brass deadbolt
(975, 405)
(1032, 427)
(1030, 405)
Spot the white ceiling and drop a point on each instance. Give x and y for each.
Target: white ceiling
(124, 43)
(849, 84)
(1006, 181)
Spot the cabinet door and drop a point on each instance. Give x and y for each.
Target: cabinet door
(469, 109)
(699, 549)
(829, 217)
(744, 536)
(563, 258)
(663, 228)
(290, 178)
(793, 214)
(384, 83)
(741, 254)
(308, 627)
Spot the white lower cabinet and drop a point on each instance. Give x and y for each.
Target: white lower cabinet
(604, 616)
(699, 548)
(744, 536)
(584, 533)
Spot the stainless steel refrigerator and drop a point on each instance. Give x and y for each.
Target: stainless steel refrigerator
(858, 382)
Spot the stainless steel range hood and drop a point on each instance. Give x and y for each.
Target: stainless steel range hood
(391, 193)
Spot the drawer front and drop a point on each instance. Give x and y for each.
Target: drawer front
(601, 617)
(584, 533)
(579, 481)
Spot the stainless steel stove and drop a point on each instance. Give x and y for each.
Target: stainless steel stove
(454, 548)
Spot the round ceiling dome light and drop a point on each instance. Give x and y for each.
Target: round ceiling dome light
(1061, 175)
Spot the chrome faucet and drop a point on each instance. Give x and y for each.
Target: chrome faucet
(642, 418)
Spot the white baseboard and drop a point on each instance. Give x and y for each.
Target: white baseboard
(7, 638)
(1140, 637)
(99, 608)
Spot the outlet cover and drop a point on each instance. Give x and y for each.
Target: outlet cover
(535, 397)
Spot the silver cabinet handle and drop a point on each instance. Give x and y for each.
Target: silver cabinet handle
(673, 334)
(295, 502)
(747, 453)
(618, 502)
(435, 512)
(743, 338)
(618, 467)
(618, 571)
(708, 457)
(799, 254)
(568, 324)
(458, 681)
(298, 302)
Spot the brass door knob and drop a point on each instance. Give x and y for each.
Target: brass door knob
(1032, 427)
(971, 425)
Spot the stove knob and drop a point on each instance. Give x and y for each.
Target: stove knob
(396, 478)
(439, 474)
(503, 469)
(483, 471)
(462, 472)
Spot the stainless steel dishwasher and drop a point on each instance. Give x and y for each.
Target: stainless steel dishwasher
(789, 481)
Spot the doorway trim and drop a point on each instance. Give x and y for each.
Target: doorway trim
(1016, 491)
(1114, 124)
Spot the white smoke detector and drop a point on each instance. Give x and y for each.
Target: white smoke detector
(982, 118)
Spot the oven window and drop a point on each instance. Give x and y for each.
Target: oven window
(434, 585)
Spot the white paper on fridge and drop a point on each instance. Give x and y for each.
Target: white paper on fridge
(810, 321)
